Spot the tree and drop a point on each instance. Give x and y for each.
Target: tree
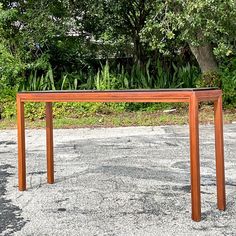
(207, 26)
(27, 29)
(120, 22)
(10, 63)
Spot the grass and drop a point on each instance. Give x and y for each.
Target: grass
(143, 118)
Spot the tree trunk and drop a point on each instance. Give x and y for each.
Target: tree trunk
(205, 57)
(139, 54)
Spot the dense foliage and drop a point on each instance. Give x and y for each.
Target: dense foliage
(117, 44)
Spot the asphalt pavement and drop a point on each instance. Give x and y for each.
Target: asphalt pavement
(115, 181)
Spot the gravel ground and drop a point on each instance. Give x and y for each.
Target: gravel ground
(115, 181)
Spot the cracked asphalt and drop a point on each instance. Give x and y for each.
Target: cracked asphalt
(115, 181)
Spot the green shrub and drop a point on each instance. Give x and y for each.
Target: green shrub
(105, 78)
(38, 83)
(228, 77)
(210, 79)
(7, 101)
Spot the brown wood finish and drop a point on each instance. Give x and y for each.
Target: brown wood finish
(219, 150)
(107, 96)
(49, 143)
(194, 158)
(21, 145)
(191, 96)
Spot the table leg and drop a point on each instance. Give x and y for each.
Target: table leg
(49, 143)
(21, 145)
(219, 151)
(194, 158)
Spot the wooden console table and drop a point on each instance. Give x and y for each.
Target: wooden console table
(191, 96)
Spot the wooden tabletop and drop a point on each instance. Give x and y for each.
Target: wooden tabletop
(128, 90)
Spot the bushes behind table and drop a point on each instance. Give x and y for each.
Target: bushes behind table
(149, 77)
(105, 78)
(228, 75)
(7, 101)
(35, 111)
